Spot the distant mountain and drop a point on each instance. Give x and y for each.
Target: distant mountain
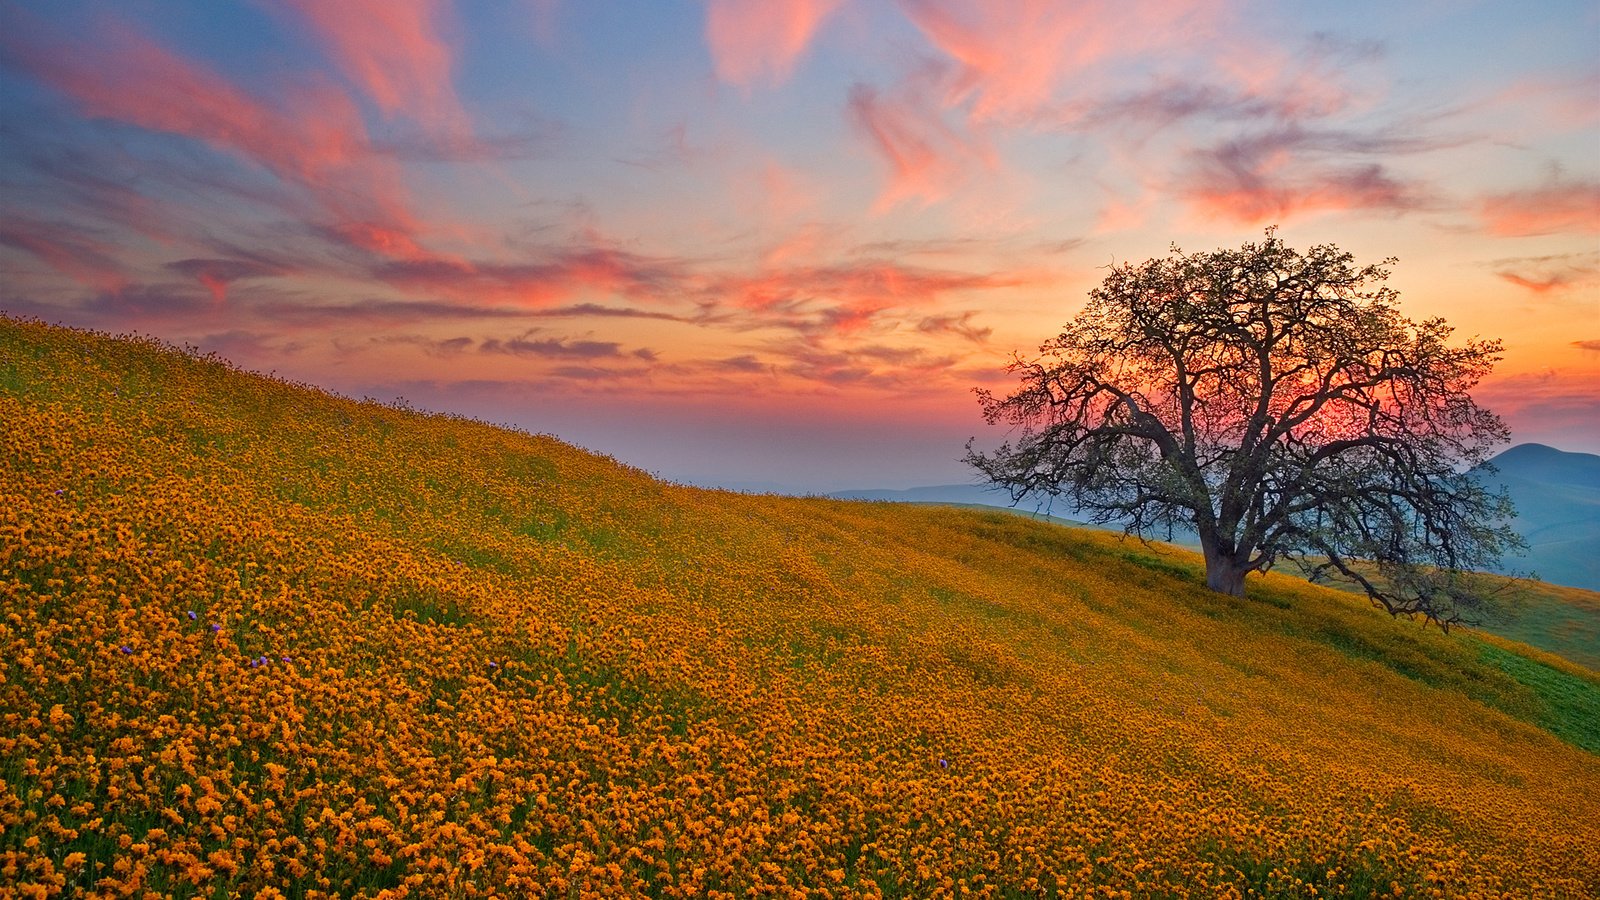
(1557, 495)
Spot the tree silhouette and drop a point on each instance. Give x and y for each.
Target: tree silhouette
(1280, 406)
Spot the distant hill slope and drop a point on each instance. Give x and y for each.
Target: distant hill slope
(1557, 495)
(260, 641)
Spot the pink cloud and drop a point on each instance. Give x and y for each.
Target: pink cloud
(566, 275)
(1559, 207)
(1274, 196)
(928, 158)
(784, 193)
(1548, 104)
(847, 297)
(315, 140)
(394, 51)
(753, 42)
(1014, 55)
(131, 79)
(1558, 406)
(215, 275)
(68, 251)
(1279, 174)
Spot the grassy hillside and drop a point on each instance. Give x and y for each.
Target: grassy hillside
(1563, 620)
(259, 641)
(1558, 618)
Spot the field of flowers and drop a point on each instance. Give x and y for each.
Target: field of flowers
(259, 641)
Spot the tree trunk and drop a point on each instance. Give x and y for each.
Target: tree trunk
(1223, 574)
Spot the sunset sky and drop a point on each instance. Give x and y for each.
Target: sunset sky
(779, 242)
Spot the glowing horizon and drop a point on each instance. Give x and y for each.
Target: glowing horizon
(779, 242)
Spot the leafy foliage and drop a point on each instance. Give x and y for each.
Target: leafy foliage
(1277, 404)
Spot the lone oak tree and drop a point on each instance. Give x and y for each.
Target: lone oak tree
(1279, 405)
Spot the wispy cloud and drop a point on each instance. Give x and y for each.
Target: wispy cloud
(315, 139)
(535, 139)
(957, 324)
(755, 43)
(1560, 206)
(928, 157)
(1276, 174)
(439, 347)
(563, 275)
(1548, 405)
(553, 348)
(744, 363)
(1555, 272)
(216, 274)
(845, 297)
(871, 365)
(1014, 56)
(396, 52)
(68, 250)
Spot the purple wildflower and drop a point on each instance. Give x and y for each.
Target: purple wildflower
(215, 628)
(125, 648)
(944, 763)
(192, 616)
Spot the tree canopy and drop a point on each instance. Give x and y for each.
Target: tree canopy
(1277, 404)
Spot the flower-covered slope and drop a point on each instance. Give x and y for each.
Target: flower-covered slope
(256, 640)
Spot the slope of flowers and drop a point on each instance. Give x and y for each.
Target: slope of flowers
(260, 641)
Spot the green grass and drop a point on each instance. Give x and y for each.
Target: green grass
(1568, 704)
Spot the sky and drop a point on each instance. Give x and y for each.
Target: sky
(779, 243)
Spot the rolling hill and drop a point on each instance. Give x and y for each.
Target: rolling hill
(258, 640)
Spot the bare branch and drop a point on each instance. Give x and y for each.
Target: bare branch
(1277, 403)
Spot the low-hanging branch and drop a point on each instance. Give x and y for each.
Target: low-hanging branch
(1277, 403)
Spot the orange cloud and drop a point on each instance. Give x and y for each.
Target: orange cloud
(1544, 274)
(1560, 207)
(393, 50)
(958, 324)
(761, 41)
